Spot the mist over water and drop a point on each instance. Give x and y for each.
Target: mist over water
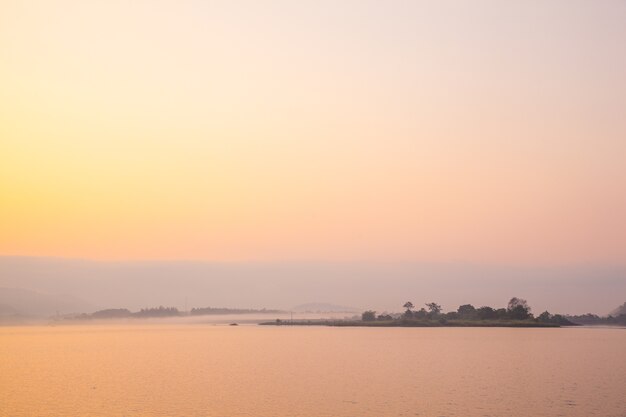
(86, 286)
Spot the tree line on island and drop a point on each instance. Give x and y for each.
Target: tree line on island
(617, 317)
(159, 312)
(517, 313)
(517, 310)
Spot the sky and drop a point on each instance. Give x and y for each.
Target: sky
(491, 132)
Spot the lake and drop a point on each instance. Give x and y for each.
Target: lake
(210, 370)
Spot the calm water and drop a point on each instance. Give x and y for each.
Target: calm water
(201, 370)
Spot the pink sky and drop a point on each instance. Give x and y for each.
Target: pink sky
(486, 131)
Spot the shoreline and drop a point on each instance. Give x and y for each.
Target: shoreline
(412, 323)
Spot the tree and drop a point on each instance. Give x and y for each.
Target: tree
(368, 315)
(486, 313)
(561, 321)
(501, 313)
(545, 317)
(518, 309)
(409, 306)
(433, 308)
(515, 302)
(452, 315)
(112, 313)
(421, 314)
(157, 312)
(466, 311)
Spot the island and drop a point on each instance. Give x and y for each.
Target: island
(516, 314)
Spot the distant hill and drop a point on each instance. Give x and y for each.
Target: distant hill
(17, 301)
(619, 310)
(324, 308)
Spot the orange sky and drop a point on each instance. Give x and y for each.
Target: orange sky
(484, 131)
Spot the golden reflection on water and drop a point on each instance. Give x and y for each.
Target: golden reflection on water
(202, 370)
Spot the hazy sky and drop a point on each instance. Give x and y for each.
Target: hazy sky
(481, 131)
(362, 285)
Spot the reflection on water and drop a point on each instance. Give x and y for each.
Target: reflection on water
(207, 370)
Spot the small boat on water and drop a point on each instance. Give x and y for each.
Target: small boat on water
(233, 324)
